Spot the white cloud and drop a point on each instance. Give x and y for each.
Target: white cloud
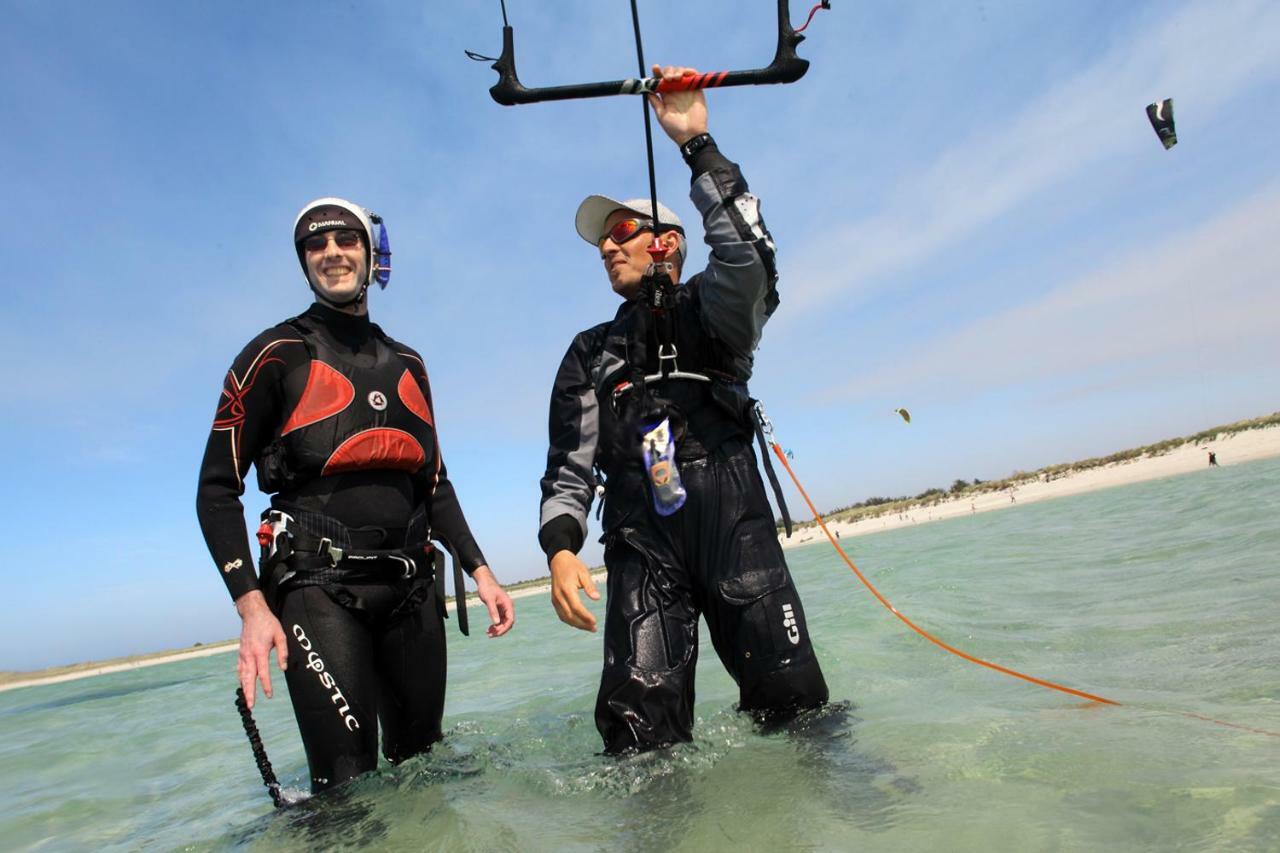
(1202, 292)
(1206, 53)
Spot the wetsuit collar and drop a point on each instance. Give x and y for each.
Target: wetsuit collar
(348, 328)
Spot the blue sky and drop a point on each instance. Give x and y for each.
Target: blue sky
(974, 221)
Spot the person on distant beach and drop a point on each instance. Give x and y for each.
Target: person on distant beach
(1213, 459)
(688, 528)
(338, 420)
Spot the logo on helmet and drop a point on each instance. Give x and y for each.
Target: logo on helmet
(328, 223)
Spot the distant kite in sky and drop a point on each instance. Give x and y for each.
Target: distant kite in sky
(906, 416)
(1161, 115)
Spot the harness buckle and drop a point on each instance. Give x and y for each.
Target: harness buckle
(410, 566)
(326, 549)
(274, 523)
(762, 419)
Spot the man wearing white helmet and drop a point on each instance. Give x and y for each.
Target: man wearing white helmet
(338, 420)
(655, 403)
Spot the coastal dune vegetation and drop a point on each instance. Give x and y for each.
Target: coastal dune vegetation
(877, 506)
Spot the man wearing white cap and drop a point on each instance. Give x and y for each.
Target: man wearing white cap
(652, 407)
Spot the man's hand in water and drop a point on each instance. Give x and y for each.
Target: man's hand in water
(260, 632)
(502, 610)
(568, 575)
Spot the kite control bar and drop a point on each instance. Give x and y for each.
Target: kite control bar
(785, 68)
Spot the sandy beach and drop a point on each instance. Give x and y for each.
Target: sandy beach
(1231, 449)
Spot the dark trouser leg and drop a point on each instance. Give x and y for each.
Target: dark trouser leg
(752, 608)
(332, 686)
(411, 665)
(650, 649)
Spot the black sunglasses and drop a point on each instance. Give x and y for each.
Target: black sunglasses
(345, 239)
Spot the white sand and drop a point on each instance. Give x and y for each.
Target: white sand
(1246, 446)
(122, 666)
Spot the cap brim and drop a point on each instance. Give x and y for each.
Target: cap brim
(592, 214)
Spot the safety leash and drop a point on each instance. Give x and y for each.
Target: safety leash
(259, 751)
(1050, 685)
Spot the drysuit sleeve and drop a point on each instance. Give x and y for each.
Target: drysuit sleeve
(448, 523)
(568, 486)
(248, 414)
(738, 288)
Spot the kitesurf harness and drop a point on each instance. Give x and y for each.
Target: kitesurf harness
(383, 421)
(719, 390)
(302, 548)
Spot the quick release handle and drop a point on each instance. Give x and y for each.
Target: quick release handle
(786, 67)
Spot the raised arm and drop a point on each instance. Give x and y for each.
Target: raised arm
(738, 288)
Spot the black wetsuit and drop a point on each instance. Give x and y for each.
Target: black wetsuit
(718, 556)
(338, 420)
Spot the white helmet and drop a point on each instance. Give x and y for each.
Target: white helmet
(331, 214)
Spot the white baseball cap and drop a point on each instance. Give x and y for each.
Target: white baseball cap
(595, 210)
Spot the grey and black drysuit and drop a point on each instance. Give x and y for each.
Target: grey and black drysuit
(718, 556)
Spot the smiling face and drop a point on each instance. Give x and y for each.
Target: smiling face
(338, 268)
(625, 263)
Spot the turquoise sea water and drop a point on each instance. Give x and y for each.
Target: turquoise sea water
(1161, 595)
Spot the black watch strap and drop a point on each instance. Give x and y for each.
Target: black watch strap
(691, 148)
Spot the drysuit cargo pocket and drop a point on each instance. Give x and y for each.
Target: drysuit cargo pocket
(752, 585)
(769, 619)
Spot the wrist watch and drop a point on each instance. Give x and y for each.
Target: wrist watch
(691, 148)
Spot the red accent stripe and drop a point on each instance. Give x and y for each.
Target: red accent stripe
(382, 448)
(692, 82)
(411, 396)
(327, 392)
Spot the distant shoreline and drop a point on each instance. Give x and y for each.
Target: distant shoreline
(72, 672)
(1232, 448)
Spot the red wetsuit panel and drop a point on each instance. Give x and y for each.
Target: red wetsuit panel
(382, 448)
(328, 392)
(411, 396)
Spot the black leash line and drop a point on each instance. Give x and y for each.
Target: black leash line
(648, 128)
(259, 751)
